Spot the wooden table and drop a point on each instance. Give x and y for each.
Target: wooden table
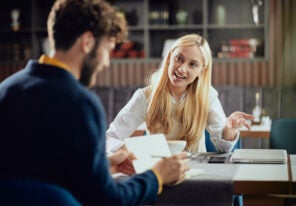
(269, 185)
(257, 131)
(293, 173)
(261, 179)
(260, 184)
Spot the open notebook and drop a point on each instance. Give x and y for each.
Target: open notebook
(260, 156)
(149, 149)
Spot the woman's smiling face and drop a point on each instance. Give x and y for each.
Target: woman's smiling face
(186, 64)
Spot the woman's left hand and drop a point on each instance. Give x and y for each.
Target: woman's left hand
(238, 119)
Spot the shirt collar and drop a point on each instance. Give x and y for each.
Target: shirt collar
(182, 99)
(44, 59)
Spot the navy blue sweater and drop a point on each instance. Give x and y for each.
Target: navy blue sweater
(52, 129)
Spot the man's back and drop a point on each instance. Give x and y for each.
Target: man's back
(52, 129)
(39, 121)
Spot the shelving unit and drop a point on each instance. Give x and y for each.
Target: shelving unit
(156, 21)
(21, 43)
(151, 23)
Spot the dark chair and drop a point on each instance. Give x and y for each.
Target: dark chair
(283, 135)
(34, 193)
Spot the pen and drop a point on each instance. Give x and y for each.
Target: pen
(188, 157)
(159, 156)
(193, 155)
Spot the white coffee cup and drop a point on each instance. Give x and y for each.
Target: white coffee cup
(176, 146)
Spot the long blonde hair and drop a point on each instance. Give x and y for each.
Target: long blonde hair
(192, 114)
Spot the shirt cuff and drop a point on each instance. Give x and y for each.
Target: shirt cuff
(159, 179)
(227, 146)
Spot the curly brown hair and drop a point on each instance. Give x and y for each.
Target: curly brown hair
(68, 19)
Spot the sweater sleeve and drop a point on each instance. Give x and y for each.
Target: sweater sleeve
(93, 181)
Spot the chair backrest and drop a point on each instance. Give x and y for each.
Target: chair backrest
(283, 135)
(33, 193)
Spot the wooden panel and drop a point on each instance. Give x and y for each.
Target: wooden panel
(256, 200)
(254, 134)
(7, 69)
(264, 187)
(288, 99)
(224, 73)
(289, 42)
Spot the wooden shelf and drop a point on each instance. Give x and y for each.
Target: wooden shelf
(151, 30)
(151, 37)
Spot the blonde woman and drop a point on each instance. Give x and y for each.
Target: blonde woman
(180, 102)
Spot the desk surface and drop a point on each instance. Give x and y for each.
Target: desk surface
(224, 180)
(220, 181)
(253, 178)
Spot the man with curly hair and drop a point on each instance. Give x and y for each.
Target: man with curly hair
(53, 127)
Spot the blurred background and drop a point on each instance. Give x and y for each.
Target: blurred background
(253, 44)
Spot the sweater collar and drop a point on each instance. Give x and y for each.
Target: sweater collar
(44, 59)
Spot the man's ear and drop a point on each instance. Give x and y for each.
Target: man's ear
(87, 42)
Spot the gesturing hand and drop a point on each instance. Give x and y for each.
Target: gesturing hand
(238, 119)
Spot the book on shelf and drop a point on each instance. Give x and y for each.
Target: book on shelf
(237, 54)
(250, 42)
(239, 48)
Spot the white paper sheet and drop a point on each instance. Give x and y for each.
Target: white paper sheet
(149, 149)
(146, 148)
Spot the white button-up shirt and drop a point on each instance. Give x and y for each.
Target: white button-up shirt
(133, 114)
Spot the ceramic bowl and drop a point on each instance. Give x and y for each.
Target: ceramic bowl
(176, 146)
